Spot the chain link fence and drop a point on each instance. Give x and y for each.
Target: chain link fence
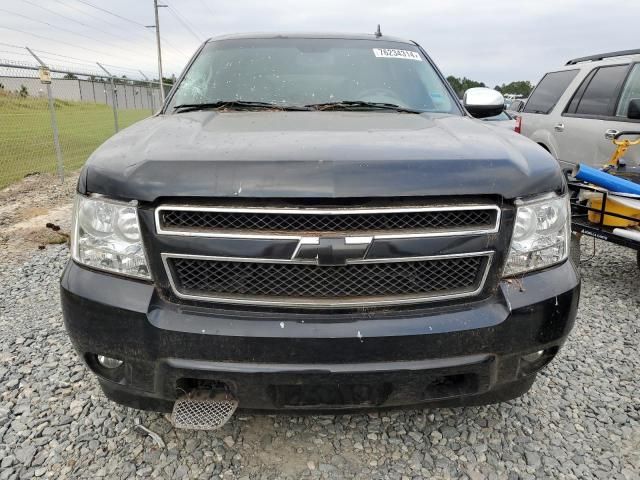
(53, 127)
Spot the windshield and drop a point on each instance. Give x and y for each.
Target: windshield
(302, 71)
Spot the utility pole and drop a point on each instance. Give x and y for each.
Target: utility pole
(157, 27)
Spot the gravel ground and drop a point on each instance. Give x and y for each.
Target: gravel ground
(581, 419)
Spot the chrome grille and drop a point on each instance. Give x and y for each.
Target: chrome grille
(221, 220)
(310, 284)
(340, 257)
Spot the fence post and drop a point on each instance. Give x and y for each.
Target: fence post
(149, 89)
(54, 121)
(114, 97)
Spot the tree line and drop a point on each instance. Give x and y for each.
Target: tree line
(461, 85)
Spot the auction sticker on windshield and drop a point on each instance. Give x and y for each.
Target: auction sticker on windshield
(394, 53)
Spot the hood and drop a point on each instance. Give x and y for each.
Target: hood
(317, 155)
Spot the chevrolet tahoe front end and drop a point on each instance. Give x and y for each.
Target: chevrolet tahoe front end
(291, 256)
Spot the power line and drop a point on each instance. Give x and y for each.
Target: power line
(189, 22)
(111, 13)
(56, 41)
(94, 17)
(185, 23)
(175, 50)
(59, 41)
(75, 20)
(48, 53)
(67, 58)
(169, 44)
(204, 2)
(62, 29)
(88, 4)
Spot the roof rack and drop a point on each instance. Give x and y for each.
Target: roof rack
(601, 56)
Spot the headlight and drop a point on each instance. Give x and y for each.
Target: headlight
(540, 234)
(106, 236)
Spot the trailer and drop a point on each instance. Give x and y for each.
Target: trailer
(598, 221)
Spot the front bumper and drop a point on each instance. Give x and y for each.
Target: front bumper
(461, 354)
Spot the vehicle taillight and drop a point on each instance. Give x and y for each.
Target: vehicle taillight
(518, 127)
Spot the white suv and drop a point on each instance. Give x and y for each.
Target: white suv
(575, 111)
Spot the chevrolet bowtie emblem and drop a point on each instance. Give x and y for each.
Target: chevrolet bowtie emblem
(332, 250)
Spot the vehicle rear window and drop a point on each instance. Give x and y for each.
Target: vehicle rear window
(601, 93)
(631, 92)
(549, 91)
(302, 71)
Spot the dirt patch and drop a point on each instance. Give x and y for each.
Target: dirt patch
(26, 207)
(33, 212)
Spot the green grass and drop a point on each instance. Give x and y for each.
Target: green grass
(26, 138)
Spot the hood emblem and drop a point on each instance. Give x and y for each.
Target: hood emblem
(328, 251)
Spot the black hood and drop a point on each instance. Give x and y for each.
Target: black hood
(317, 155)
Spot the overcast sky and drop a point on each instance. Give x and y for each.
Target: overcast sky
(494, 41)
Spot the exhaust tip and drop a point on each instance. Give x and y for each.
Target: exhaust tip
(203, 410)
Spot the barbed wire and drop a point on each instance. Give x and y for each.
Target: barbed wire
(59, 70)
(53, 60)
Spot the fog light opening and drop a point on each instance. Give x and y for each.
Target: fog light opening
(109, 362)
(532, 357)
(532, 362)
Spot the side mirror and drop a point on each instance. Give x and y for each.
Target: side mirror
(482, 102)
(634, 109)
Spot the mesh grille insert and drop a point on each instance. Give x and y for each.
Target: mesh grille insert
(321, 222)
(371, 281)
(203, 411)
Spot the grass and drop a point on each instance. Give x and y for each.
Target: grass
(26, 137)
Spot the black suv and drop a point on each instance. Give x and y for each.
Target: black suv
(316, 222)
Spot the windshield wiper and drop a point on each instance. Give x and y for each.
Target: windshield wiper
(235, 105)
(361, 105)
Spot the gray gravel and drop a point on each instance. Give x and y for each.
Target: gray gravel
(581, 419)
